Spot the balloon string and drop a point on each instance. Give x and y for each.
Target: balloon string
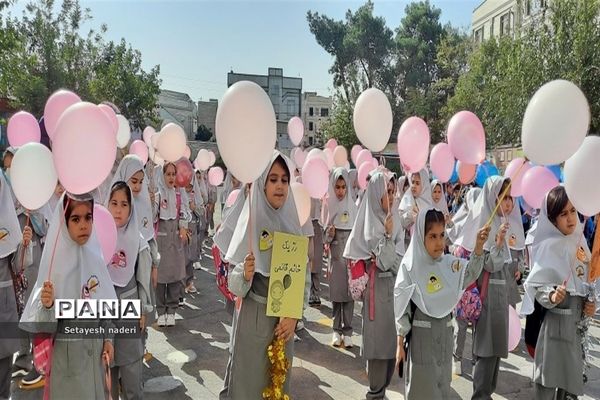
(504, 193)
(56, 240)
(23, 250)
(250, 220)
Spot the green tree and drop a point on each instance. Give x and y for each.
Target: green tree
(340, 126)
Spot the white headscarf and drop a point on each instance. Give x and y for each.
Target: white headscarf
(10, 230)
(198, 199)
(434, 285)
(129, 243)
(441, 205)
(556, 258)
(167, 206)
(77, 271)
(339, 213)
(129, 166)
(459, 219)
(481, 213)
(264, 223)
(230, 217)
(203, 185)
(424, 200)
(369, 227)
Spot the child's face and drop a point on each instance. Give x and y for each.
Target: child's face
(566, 222)
(119, 208)
(437, 193)
(416, 185)
(170, 175)
(340, 189)
(435, 240)
(135, 182)
(234, 182)
(506, 206)
(277, 186)
(7, 160)
(388, 199)
(80, 222)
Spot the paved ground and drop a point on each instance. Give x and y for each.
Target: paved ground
(190, 358)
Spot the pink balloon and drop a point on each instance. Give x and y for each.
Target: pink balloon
(106, 231)
(295, 130)
(363, 172)
(215, 176)
(363, 156)
(340, 156)
(331, 144)
(185, 172)
(514, 329)
(84, 148)
(212, 159)
(300, 157)
(442, 162)
(315, 177)
(413, 144)
(147, 135)
(330, 161)
(466, 172)
(110, 113)
(188, 152)
(521, 166)
(302, 200)
(202, 160)
(57, 103)
(466, 137)
(140, 149)
(536, 183)
(23, 128)
(232, 197)
(172, 142)
(354, 152)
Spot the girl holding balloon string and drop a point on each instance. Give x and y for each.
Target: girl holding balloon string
(418, 198)
(172, 218)
(557, 281)
(373, 240)
(271, 209)
(15, 253)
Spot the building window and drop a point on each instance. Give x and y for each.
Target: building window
(479, 35)
(527, 8)
(324, 112)
(310, 126)
(311, 140)
(502, 156)
(509, 155)
(505, 24)
(311, 111)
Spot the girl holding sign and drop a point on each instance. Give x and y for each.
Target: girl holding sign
(340, 213)
(490, 341)
(373, 240)
(269, 208)
(172, 219)
(72, 267)
(429, 285)
(130, 270)
(558, 282)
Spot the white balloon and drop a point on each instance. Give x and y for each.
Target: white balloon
(203, 160)
(582, 180)
(124, 132)
(154, 140)
(172, 143)
(212, 158)
(302, 200)
(246, 130)
(316, 153)
(33, 176)
(373, 119)
(556, 121)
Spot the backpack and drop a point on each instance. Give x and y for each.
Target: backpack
(469, 306)
(357, 278)
(222, 275)
(533, 324)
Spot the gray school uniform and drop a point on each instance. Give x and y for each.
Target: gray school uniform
(191, 250)
(77, 368)
(316, 254)
(127, 365)
(490, 338)
(431, 345)
(339, 294)
(154, 254)
(517, 264)
(558, 361)
(379, 334)
(172, 252)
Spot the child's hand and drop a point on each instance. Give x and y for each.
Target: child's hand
(249, 267)
(400, 353)
(285, 328)
(501, 236)
(142, 322)
(558, 295)
(482, 237)
(154, 276)
(109, 350)
(47, 296)
(589, 309)
(331, 231)
(389, 224)
(27, 236)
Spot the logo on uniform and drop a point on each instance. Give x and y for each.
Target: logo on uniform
(266, 240)
(90, 287)
(119, 259)
(434, 284)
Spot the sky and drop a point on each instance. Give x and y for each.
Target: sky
(196, 42)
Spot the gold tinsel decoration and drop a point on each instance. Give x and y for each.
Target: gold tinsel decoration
(278, 371)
